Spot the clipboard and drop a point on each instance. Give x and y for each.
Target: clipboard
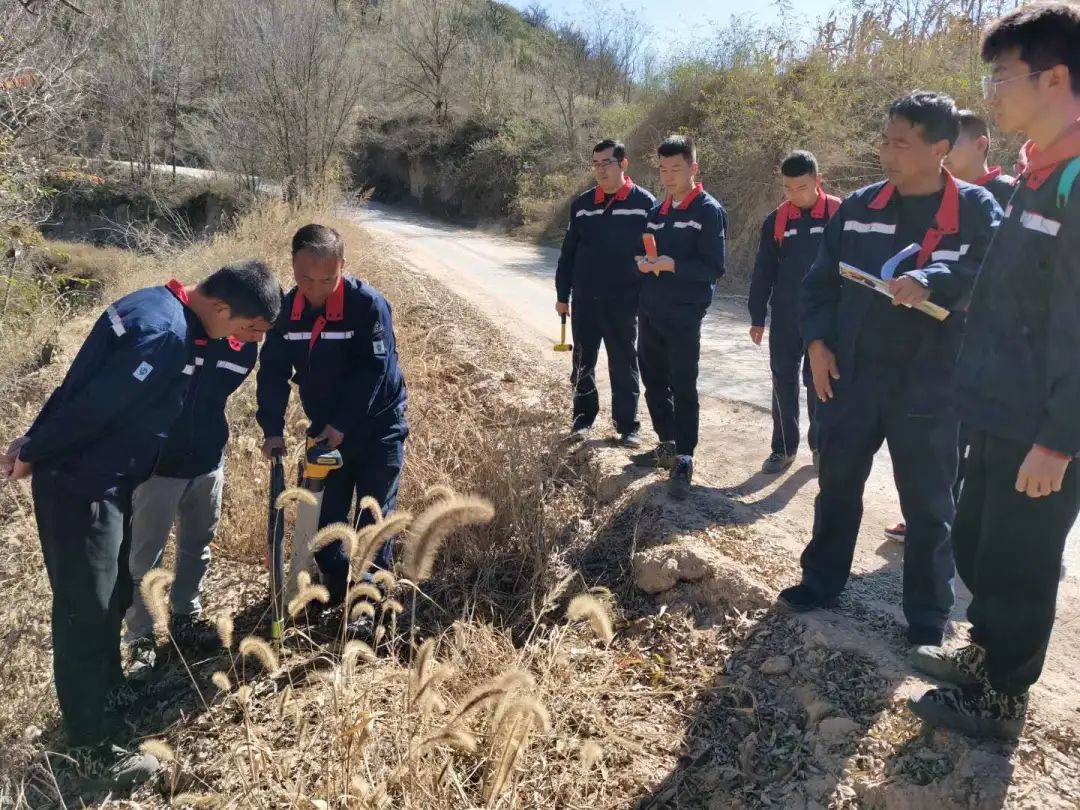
(853, 273)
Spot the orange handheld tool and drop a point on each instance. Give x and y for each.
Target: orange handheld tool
(650, 248)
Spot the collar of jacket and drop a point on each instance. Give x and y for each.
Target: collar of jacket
(824, 208)
(335, 304)
(1039, 164)
(695, 192)
(995, 172)
(177, 288)
(946, 220)
(620, 194)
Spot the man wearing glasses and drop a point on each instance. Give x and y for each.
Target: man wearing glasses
(1018, 386)
(598, 273)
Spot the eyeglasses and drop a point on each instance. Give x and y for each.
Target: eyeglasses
(990, 84)
(603, 164)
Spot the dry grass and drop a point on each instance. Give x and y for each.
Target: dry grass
(503, 682)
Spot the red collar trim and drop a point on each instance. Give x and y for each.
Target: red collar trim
(235, 343)
(620, 194)
(335, 304)
(177, 289)
(883, 197)
(824, 208)
(695, 192)
(946, 220)
(994, 173)
(1035, 178)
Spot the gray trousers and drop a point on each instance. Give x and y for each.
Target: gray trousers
(194, 504)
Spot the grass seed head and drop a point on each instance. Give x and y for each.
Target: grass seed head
(354, 651)
(373, 538)
(439, 492)
(159, 749)
(153, 589)
(224, 624)
(197, 801)
(590, 753)
(370, 504)
(435, 525)
(255, 647)
(362, 608)
(307, 595)
(333, 533)
(363, 590)
(295, 495)
(386, 580)
(588, 607)
(221, 681)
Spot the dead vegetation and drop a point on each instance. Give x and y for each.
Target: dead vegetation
(528, 670)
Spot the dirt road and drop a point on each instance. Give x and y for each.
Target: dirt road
(513, 283)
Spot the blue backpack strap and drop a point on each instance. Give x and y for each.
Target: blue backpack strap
(1067, 181)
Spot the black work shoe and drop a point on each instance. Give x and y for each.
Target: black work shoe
(362, 628)
(962, 667)
(194, 634)
(120, 769)
(631, 439)
(681, 477)
(800, 599)
(777, 463)
(977, 709)
(145, 657)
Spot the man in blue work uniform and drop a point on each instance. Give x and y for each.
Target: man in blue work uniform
(186, 490)
(94, 441)
(882, 368)
(335, 339)
(597, 271)
(967, 161)
(1018, 386)
(676, 292)
(790, 237)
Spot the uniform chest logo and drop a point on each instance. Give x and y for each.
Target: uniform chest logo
(142, 371)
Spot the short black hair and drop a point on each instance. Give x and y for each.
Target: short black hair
(1045, 34)
(618, 150)
(798, 163)
(248, 287)
(678, 145)
(974, 126)
(320, 239)
(934, 112)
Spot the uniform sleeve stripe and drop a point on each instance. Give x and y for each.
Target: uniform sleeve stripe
(232, 367)
(298, 335)
(114, 319)
(337, 335)
(869, 227)
(792, 232)
(656, 226)
(949, 255)
(627, 212)
(1037, 222)
(688, 224)
(587, 213)
(817, 229)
